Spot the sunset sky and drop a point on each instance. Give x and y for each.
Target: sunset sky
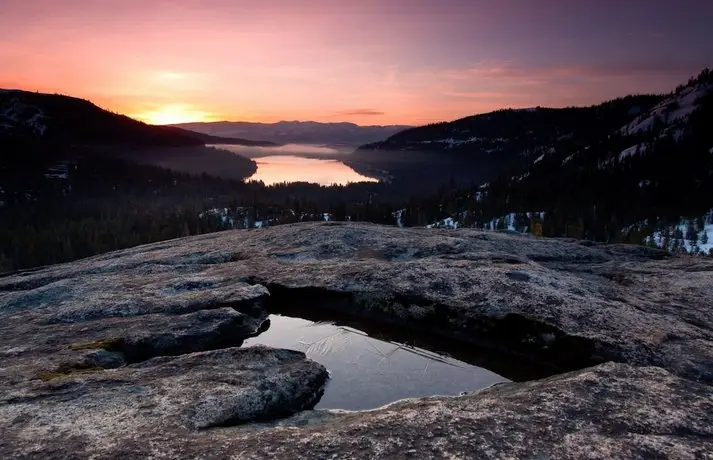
(366, 61)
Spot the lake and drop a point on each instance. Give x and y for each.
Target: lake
(290, 168)
(298, 163)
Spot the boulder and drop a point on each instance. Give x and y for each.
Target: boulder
(110, 318)
(88, 412)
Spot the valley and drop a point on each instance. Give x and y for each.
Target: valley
(574, 168)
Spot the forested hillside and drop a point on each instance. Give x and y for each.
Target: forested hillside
(483, 146)
(641, 176)
(38, 130)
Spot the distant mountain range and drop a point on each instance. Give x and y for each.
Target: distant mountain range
(297, 132)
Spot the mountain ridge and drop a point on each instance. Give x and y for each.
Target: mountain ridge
(37, 130)
(60, 118)
(643, 173)
(479, 148)
(297, 132)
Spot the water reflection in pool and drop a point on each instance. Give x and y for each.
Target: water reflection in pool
(367, 372)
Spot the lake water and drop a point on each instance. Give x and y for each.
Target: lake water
(299, 163)
(290, 168)
(367, 372)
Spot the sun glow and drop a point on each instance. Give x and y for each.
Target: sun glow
(171, 114)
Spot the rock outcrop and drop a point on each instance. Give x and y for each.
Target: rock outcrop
(135, 352)
(608, 411)
(563, 303)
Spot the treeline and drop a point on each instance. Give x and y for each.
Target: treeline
(51, 213)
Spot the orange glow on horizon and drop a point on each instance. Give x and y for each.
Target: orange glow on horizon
(371, 62)
(172, 114)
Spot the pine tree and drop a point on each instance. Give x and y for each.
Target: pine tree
(666, 238)
(691, 233)
(700, 224)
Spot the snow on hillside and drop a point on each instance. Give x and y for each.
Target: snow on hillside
(448, 222)
(631, 151)
(568, 159)
(679, 238)
(399, 216)
(677, 107)
(511, 222)
(14, 113)
(452, 142)
(506, 222)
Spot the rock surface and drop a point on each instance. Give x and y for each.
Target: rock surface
(559, 301)
(133, 353)
(609, 411)
(109, 318)
(162, 396)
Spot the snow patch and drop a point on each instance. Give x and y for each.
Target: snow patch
(631, 151)
(14, 112)
(398, 215)
(678, 238)
(448, 222)
(451, 142)
(567, 160)
(671, 109)
(507, 221)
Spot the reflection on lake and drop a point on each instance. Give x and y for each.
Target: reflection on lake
(302, 150)
(289, 168)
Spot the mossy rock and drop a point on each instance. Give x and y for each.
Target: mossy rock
(106, 344)
(68, 371)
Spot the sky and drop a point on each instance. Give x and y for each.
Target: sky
(365, 61)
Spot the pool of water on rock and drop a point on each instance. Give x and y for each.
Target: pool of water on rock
(368, 371)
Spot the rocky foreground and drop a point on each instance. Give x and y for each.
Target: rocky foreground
(137, 353)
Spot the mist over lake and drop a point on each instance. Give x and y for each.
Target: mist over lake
(302, 150)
